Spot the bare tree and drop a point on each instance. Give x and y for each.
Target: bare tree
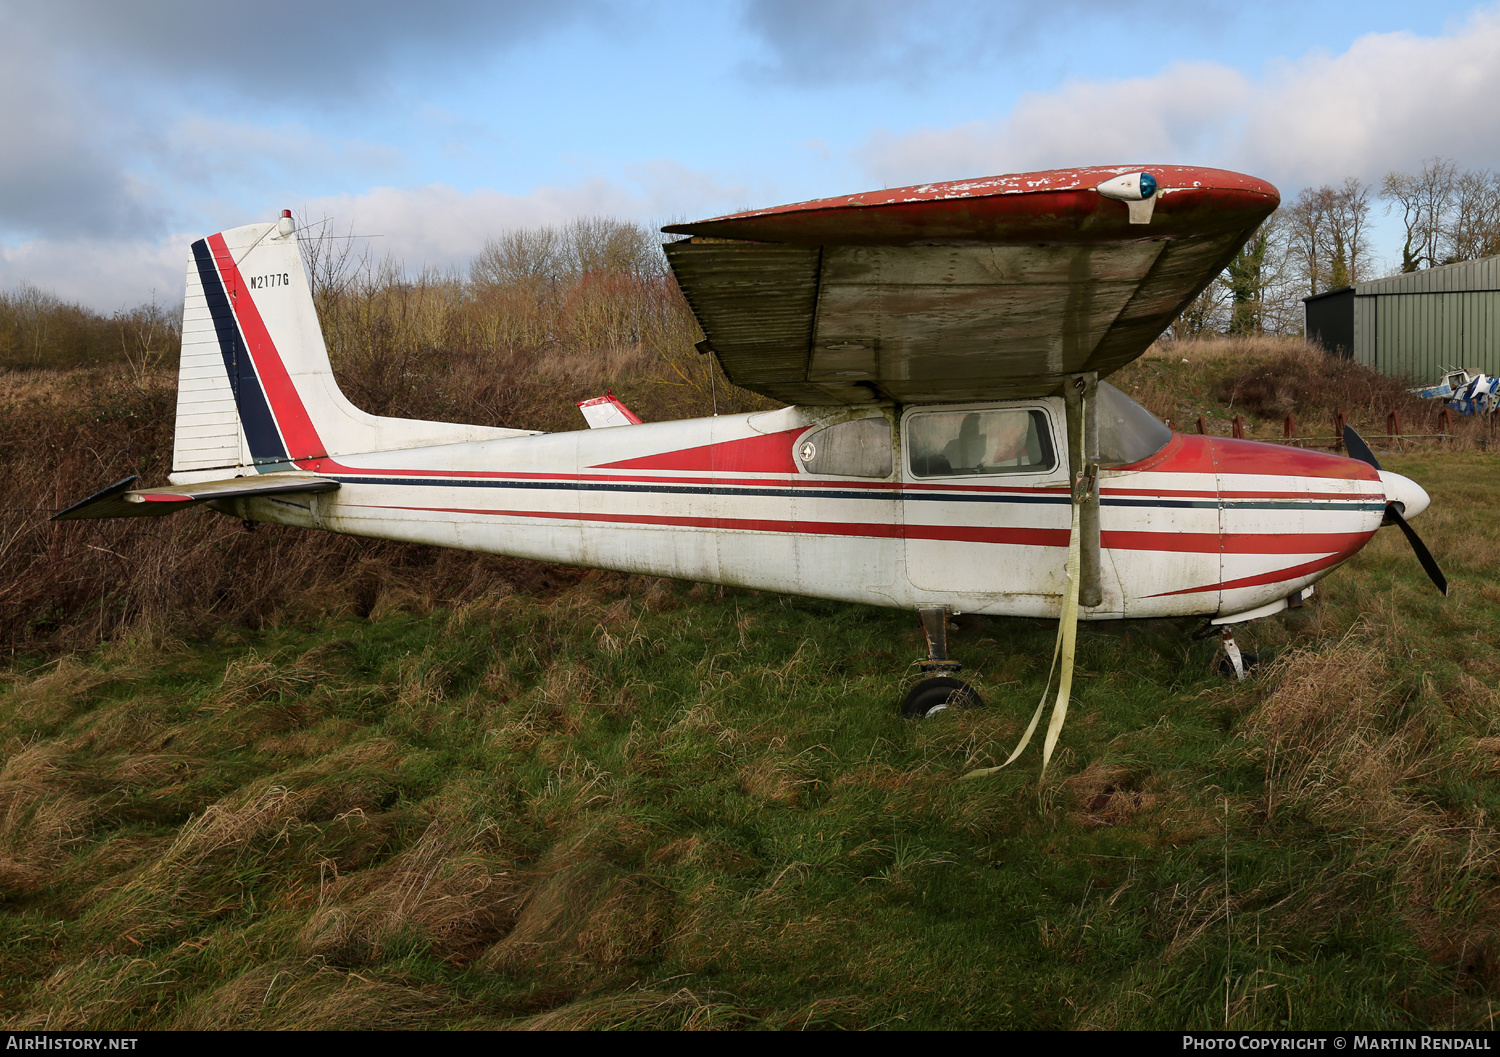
(330, 259)
(1347, 216)
(524, 257)
(607, 244)
(1328, 234)
(1307, 228)
(1425, 200)
(1203, 315)
(1472, 226)
(1253, 278)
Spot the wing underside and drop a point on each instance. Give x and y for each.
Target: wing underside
(908, 309)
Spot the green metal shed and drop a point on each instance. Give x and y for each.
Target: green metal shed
(1415, 325)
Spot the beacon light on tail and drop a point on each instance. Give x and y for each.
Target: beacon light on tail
(949, 444)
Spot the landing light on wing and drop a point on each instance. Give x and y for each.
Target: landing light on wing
(1137, 190)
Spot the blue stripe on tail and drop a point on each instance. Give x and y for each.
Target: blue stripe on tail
(265, 441)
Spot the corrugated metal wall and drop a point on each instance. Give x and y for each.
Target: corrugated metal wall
(1483, 274)
(1419, 335)
(1413, 326)
(1328, 321)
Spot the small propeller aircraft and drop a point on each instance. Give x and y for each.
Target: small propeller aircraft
(949, 444)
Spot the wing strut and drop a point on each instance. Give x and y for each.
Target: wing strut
(1081, 584)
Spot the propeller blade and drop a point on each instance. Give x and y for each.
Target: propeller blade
(1355, 445)
(1424, 556)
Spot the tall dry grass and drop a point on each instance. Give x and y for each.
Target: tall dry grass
(543, 321)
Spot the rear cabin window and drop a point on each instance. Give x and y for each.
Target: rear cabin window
(964, 443)
(861, 448)
(1128, 432)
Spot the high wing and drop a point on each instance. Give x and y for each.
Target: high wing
(971, 290)
(121, 500)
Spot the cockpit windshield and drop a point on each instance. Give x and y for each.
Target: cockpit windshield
(1128, 432)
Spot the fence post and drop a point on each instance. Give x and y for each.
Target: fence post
(1289, 428)
(1445, 422)
(1237, 428)
(1338, 432)
(1202, 429)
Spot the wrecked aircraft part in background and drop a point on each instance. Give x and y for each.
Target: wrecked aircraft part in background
(1467, 391)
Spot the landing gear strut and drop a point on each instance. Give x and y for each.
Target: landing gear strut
(939, 690)
(1234, 664)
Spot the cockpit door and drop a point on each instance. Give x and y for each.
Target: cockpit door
(987, 509)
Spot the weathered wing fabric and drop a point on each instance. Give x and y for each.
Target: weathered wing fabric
(977, 289)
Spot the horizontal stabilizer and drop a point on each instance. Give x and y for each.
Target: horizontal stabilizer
(607, 410)
(121, 500)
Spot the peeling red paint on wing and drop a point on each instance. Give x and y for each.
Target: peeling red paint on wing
(1055, 206)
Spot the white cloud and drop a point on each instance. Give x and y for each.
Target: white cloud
(428, 226)
(104, 274)
(1386, 103)
(1081, 123)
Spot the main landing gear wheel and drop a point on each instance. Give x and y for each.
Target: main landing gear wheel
(931, 696)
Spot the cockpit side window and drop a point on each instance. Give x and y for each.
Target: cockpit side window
(989, 441)
(861, 448)
(1128, 432)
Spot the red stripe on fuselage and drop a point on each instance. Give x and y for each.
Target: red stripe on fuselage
(1272, 577)
(1187, 542)
(769, 453)
(1030, 537)
(1236, 543)
(297, 429)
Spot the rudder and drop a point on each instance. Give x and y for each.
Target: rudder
(256, 392)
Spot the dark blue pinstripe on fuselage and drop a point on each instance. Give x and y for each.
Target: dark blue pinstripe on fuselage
(249, 397)
(889, 495)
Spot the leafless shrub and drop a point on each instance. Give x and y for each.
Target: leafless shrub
(1307, 381)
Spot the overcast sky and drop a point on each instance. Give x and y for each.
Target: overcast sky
(129, 129)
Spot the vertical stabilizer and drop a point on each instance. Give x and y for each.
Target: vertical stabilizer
(256, 392)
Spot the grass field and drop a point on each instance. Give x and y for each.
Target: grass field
(636, 803)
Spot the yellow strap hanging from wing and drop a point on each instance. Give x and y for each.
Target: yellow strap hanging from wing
(1067, 640)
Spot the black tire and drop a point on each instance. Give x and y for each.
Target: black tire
(931, 696)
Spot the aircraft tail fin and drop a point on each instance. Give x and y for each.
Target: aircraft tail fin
(255, 390)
